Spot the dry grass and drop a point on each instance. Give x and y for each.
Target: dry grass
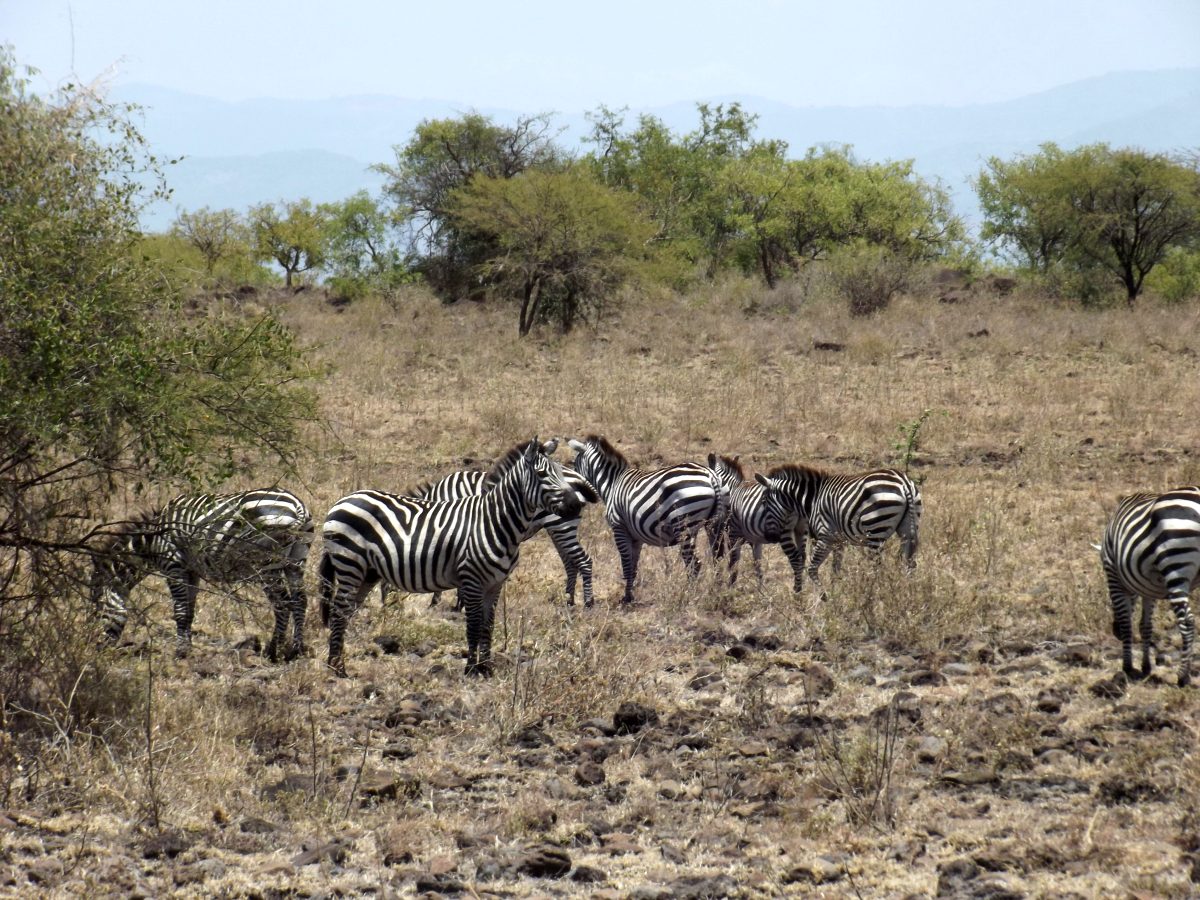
(1039, 424)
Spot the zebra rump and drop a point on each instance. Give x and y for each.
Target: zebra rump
(1151, 549)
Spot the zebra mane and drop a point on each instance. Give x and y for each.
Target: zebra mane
(423, 488)
(797, 470)
(735, 464)
(606, 448)
(500, 468)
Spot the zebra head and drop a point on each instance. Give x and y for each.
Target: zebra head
(597, 461)
(779, 502)
(728, 470)
(546, 486)
(117, 566)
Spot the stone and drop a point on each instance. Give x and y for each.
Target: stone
(168, 845)
(428, 882)
(1078, 655)
(818, 680)
(631, 717)
(255, 825)
(762, 639)
(199, 872)
(543, 862)
(738, 651)
(707, 675)
(616, 843)
(588, 875)
(957, 670)
(334, 851)
(702, 887)
(930, 748)
(861, 675)
(388, 643)
(819, 870)
(1110, 688)
(589, 773)
(922, 677)
(953, 876)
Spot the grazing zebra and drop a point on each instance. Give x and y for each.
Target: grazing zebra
(423, 546)
(864, 509)
(1151, 549)
(661, 508)
(563, 530)
(259, 536)
(751, 520)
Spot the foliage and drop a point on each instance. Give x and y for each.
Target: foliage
(363, 255)
(443, 156)
(291, 234)
(675, 177)
(563, 240)
(104, 384)
(183, 265)
(1097, 212)
(216, 234)
(869, 275)
(1177, 277)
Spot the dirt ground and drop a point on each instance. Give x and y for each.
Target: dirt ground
(956, 732)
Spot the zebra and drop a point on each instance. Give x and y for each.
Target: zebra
(662, 508)
(259, 535)
(751, 520)
(1151, 549)
(421, 546)
(563, 530)
(864, 509)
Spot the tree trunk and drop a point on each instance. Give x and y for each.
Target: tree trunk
(764, 255)
(529, 305)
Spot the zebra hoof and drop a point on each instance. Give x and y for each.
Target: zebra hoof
(338, 666)
(1185, 680)
(295, 651)
(479, 670)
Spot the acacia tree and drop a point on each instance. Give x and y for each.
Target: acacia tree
(564, 241)
(216, 234)
(361, 253)
(292, 234)
(443, 156)
(1092, 210)
(105, 384)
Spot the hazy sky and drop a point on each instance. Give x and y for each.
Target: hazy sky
(570, 56)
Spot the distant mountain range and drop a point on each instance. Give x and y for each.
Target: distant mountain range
(239, 153)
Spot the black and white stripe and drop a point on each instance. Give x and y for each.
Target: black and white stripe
(259, 537)
(1151, 549)
(661, 508)
(563, 530)
(424, 546)
(835, 510)
(750, 520)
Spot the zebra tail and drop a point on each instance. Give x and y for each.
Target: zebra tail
(325, 574)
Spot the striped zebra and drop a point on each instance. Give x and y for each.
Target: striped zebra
(836, 510)
(662, 508)
(751, 520)
(1151, 549)
(259, 536)
(563, 530)
(422, 546)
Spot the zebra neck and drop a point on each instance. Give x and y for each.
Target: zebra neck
(608, 473)
(509, 501)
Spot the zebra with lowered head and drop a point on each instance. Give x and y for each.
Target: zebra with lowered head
(835, 510)
(423, 546)
(259, 536)
(751, 520)
(562, 529)
(1151, 549)
(661, 507)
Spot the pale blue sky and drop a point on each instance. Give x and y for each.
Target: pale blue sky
(570, 56)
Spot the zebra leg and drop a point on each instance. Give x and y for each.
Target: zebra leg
(735, 556)
(1147, 633)
(433, 601)
(793, 544)
(821, 549)
(909, 538)
(182, 585)
(629, 549)
(687, 549)
(756, 551)
(471, 594)
(1122, 627)
(1178, 597)
(574, 558)
(346, 601)
(299, 604)
(280, 599)
(490, 599)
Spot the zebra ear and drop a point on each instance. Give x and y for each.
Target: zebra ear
(550, 446)
(712, 460)
(763, 480)
(577, 446)
(533, 448)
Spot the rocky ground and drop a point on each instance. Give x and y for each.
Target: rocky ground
(749, 765)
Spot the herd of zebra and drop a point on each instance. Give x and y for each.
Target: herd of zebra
(465, 531)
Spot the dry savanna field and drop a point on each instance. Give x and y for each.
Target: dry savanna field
(954, 732)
